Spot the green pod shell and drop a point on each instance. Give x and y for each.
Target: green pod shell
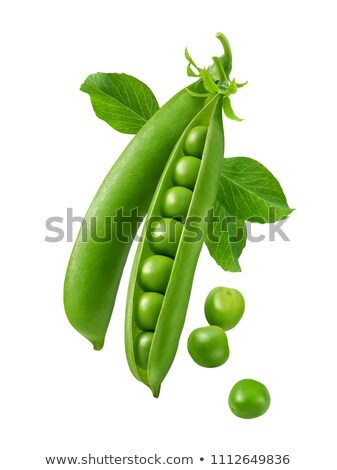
(172, 314)
(96, 263)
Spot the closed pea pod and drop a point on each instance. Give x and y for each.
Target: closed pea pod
(165, 339)
(102, 246)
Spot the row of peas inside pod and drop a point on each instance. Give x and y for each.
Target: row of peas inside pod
(163, 238)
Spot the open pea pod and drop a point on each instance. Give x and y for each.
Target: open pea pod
(174, 267)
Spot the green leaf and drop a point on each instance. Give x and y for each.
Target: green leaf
(226, 237)
(227, 107)
(122, 101)
(250, 192)
(247, 191)
(233, 87)
(209, 84)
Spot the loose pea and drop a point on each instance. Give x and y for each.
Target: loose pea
(147, 311)
(164, 236)
(176, 202)
(154, 273)
(185, 172)
(249, 399)
(195, 141)
(142, 348)
(208, 346)
(224, 307)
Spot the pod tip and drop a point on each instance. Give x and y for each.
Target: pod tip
(98, 345)
(156, 392)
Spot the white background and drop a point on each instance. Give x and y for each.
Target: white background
(58, 396)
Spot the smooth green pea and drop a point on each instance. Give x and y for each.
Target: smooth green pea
(142, 346)
(249, 399)
(176, 202)
(147, 311)
(164, 236)
(224, 307)
(154, 273)
(185, 172)
(195, 141)
(208, 346)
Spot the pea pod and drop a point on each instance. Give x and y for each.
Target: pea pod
(150, 355)
(96, 263)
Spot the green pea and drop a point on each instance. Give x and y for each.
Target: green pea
(249, 399)
(224, 307)
(147, 311)
(176, 202)
(208, 346)
(185, 172)
(142, 347)
(154, 273)
(164, 236)
(195, 141)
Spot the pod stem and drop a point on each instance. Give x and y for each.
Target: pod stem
(227, 55)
